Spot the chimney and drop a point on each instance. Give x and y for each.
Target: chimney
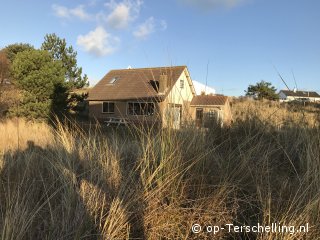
(163, 82)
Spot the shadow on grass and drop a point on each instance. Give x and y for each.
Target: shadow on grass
(52, 193)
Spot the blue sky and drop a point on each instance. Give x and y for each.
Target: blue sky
(241, 41)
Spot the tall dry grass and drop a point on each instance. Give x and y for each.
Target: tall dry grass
(276, 113)
(64, 182)
(15, 134)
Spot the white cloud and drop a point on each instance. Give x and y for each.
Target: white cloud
(98, 42)
(64, 12)
(122, 13)
(120, 17)
(60, 11)
(114, 14)
(212, 4)
(145, 29)
(200, 87)
(150, 26)
(80, 13)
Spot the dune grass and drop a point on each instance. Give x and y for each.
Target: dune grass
(63, 182)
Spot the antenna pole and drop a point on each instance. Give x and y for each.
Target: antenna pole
(281, 78)
(205, 88)
(294, 78)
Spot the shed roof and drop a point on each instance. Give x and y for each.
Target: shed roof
(209, 100)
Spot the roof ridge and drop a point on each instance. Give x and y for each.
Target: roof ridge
(208, 100)
(298, 90)
(148, 68)
(211, 95)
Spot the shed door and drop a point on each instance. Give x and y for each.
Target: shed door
(199, 117)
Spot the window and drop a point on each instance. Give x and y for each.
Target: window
(113, 80)
(212, 114)
(108, 107)
(155, 85)
(199, 113)
(181, 83)
(140, 108)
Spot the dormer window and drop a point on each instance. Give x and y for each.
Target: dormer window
(113, 80)
(155, 85)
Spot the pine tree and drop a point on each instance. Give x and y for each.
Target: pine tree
(4, 66)
(262, 90)
(40, 79)
(59, 50)
(13, 49)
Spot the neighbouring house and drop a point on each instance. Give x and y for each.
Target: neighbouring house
(160, 95)
(304, 96)
(208, 109)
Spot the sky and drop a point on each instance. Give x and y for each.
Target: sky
(226, 44)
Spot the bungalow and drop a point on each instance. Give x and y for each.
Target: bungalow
(159, 95)
(210, 108)
(305, 96)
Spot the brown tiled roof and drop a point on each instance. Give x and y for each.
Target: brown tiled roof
(208, 100)
(133, 83)
(301, 93)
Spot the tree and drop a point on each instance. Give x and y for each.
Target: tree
(60, 51)
(9, 96)
(262, 90)
(13, 49)
(4, 66)
(40, 79)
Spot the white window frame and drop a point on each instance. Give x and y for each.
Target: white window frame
(108, 107)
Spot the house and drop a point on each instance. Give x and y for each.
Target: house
(146, 95)
(305, 96)
(207, 109)
(160, 95)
